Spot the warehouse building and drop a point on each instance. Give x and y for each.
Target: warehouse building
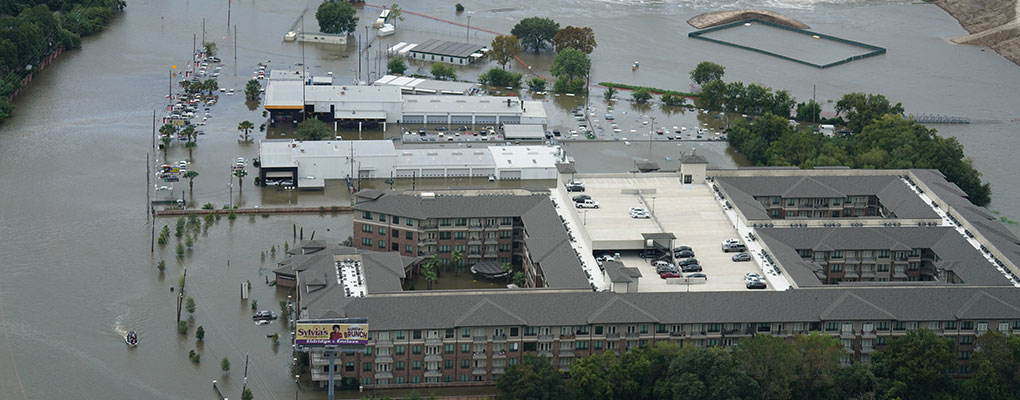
(459, 53)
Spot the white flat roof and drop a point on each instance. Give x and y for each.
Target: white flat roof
(363, 94)
(523, 132)
(525, 156)
(354, 114)
(436, 86)
(450, 158)
(281, 153)
(284, 94)
(438, 104)
(285, 75)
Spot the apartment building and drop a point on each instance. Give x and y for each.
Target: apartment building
(470, 339)
(518, 228)
(927, 259)
(824, 197)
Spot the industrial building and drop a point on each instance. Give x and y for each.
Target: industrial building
(964, 268)
(412, 85)
(361, 106)
(309, 164)
(459, 53)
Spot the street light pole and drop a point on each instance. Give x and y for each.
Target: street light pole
(467, 37)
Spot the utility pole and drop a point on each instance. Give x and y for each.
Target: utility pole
(359, 58)
(193, 48)
(244, 385)
(235, 49)
(467, 37)
(303, 69)
(814, 91)
(229, 2)
(203, 33)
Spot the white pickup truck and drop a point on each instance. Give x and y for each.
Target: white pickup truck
(588, 203)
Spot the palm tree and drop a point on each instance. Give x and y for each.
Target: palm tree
(456, 258)
(211, 85)
(190, 133)
(507, 268)
(428, 271)
(166, 135)
(240, 174)
(191, 145)
(245, 126)
(609, 93)
(191, 175)
(166, 144)
(252, 90)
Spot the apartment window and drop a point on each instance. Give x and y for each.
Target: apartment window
(967, 325)
(643, 329)
(530, 346)
(883, 325)
(581, 345)
(791, 202)
(382, 217)
(395, 219)
(713, 327)
(835, 201)
(836, 268)
(416, 364)
(881, 341)
(460, 236)
(661, 328)
(899, 326)
(950, 324)
(505, 234)
(514, 331)
(831, 326)
(416, 334)
(837, 254)
(409, 222)
(915, 252)
(598, 329)
(504, 247)
(529, 331)
(445, 248)
(395, 233)
(382, 230)
(445, 235)
(366, 214)
(366, 242)
(367, 367)
(366, 228)
(394, 246)
(597, 345)
(399, 350)
(465, 378)
(465, 332)
(408, 235)
(883, 254)
(506, 221)
(448, 364)
(382, 244)
(883, 267)
(399, 366)
(448, 349)
(444, 222)
(912, 266)
(465, 348)
(408, 248)
(461, 222)
(349, 366)
(965, 355)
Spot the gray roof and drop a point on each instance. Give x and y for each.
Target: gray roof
(893, 194)
(547, 240)
(621, 274)
(447, 48)
(693, 159)
(952, 249)
(427, 310)
(998, 234)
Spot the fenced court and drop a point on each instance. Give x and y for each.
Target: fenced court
(793, 44)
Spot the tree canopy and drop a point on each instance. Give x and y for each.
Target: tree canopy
(499, 77)
(861, 109)
(570, 64)
(443, 71)
(533, 379)
(336, 17)
(535, 32)
(914, 366)
(313, 129)
(706, 72)
(504, 49)
(580, 38)
(396, 66)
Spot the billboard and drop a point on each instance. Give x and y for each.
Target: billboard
(325, 333)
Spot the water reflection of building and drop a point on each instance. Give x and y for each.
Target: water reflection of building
(309, 164)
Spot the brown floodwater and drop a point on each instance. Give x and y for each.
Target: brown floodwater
(77, 271)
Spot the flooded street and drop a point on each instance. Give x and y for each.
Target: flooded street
(77, 271)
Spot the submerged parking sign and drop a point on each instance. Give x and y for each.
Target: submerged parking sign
(330, 333)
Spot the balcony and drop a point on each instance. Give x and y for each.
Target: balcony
(499, 355)
(497, 370)
(545, 353)
(383, 343)
(738, 332)
(847, 334)
(698, 334)
(475, 227)
(478, 371)
(426, 241)
(478, 355)
(480, 339)
(476, 254)
(612, 336)
(383, 359)
(491, 241)
(433, 373)
(432, 357)
(632, 335)
(381, 375)
(499, 338)
(681, 334)
(567, 353)
(867, 349)
(433, 341)
(475, 241)
(868, 334)
(545, 338)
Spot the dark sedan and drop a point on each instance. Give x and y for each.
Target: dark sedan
(684, 254)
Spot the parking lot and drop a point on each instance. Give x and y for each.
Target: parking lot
(690, 212)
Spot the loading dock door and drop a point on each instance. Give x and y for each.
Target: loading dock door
(414, 119)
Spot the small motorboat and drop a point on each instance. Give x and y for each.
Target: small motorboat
(131, 339)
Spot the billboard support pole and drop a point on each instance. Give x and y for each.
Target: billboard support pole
(332, 356)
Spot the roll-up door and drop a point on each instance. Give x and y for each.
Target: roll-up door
(437, 119)
(413, 119)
